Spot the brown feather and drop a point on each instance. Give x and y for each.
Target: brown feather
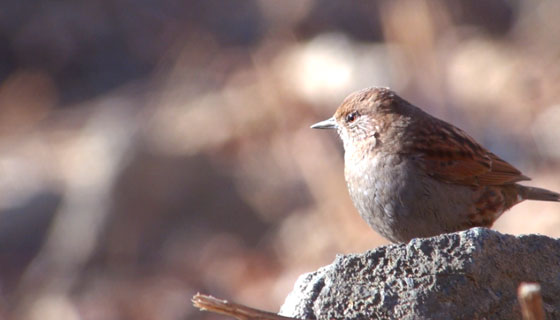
(451, 155)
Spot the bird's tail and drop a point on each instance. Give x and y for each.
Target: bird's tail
(532, 193)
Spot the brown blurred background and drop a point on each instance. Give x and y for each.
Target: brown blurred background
(150, 150)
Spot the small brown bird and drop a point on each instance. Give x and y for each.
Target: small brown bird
(412, 175)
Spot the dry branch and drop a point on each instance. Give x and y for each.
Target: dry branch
(529, 296)
(238, 311)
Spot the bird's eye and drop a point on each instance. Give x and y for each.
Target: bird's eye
(352, 116)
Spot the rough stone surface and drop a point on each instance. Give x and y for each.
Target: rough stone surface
(472, 274)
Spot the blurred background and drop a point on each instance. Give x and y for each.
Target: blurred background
(150, 149)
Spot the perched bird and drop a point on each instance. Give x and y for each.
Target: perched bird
(412, 175)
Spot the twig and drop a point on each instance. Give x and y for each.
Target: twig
(529, 296)
(238, 311)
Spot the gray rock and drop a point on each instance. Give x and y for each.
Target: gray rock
(472, 274)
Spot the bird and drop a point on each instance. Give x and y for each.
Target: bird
(412, 175)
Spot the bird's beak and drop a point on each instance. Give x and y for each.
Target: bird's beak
(330, 123)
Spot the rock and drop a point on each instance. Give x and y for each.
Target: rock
(472, 274)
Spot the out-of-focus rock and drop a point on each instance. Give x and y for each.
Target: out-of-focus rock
(467, 275)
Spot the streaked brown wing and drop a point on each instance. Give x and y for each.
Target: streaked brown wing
(449, 154)
(501, 172)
